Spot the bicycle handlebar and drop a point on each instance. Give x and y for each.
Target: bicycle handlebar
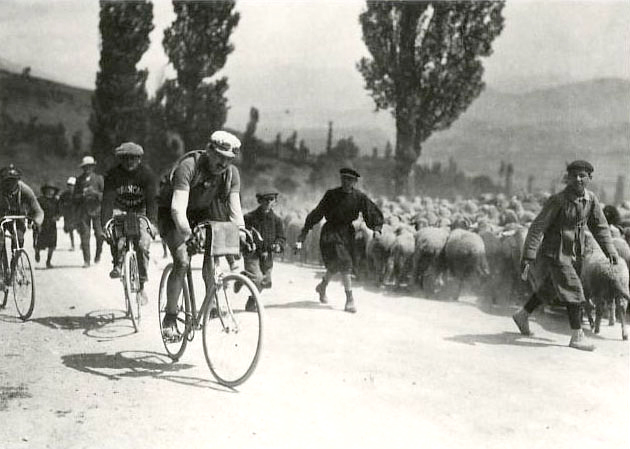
(7, 219)
(110, 224)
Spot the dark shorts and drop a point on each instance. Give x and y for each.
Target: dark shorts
(336, 245)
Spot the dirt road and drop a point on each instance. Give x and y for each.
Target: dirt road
(404, 372)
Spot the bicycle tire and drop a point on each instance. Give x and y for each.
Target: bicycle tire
(233, 338)
(131, 282)
(23, 283)
(175, 349)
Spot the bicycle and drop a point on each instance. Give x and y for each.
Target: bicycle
(19, 273)
(232, 332)
(130, 276)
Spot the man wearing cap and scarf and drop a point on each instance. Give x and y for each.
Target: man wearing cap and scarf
(47, 234)
(340, 207)
(259, 265)
(201, 182)
(554, 248)
(88, 194)
(67, 209)
(130, 186)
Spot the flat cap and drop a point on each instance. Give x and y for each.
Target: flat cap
(49, 185)
(580, 165)
(266, 193)
(349, 172)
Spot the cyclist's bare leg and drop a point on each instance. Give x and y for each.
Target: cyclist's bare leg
(175, 283)
(207, 272)
(142, 252)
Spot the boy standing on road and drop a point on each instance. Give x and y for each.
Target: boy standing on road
(258, 266)
(67, 209)
(559, 231)
(47, 235)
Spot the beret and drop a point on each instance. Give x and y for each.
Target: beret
(580, 165)
(349, 172)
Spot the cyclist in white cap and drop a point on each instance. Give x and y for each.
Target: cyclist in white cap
(67, 208)
(203, 185)
(88, 194)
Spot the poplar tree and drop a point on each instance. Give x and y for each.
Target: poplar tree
(198, 43)
(119, 102)
(425, 65)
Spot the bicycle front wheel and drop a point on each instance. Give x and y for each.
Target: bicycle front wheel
(233, 330)
(131, 281)
(23, 284)
(6, 277)
(175, 347)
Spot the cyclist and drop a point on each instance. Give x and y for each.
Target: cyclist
(202, 183)
(17, 198)
(88, 194)
(130, 186)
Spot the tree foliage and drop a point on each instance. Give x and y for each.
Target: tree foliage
(197, 44)
(120, 99)
(425, 64)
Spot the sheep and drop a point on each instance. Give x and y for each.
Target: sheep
(428, 248)
(465, 256)
(604, 284)
(400, 257)
(378, 251)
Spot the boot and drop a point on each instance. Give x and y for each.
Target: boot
(521, 318)
(350, 306)
(579, 341)
(321, 290)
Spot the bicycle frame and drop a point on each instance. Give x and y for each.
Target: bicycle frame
(8, 227)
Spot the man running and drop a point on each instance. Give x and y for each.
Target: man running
(130, 187)
(341, 206)
(559, 231)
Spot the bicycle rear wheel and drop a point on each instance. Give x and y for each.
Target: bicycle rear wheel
(23, 284)
(174, 348)
(131, 281)
(232, 334)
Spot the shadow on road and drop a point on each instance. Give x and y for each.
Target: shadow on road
(504, 338)
(300, 305)
(136, 364)
(55, 267)
(101, 324)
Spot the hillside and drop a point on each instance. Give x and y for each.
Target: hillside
(26, 97)
(536, 131)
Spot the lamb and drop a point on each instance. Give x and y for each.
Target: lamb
(605, 284)
(465, 256)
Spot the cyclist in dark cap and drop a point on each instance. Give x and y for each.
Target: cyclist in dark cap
(341, 206)
(559, 231)
(17, 198)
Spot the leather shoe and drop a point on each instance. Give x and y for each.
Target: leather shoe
(521, 318)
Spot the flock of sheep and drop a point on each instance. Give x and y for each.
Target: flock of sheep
(438, 246)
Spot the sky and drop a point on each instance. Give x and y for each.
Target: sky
(310, 47)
